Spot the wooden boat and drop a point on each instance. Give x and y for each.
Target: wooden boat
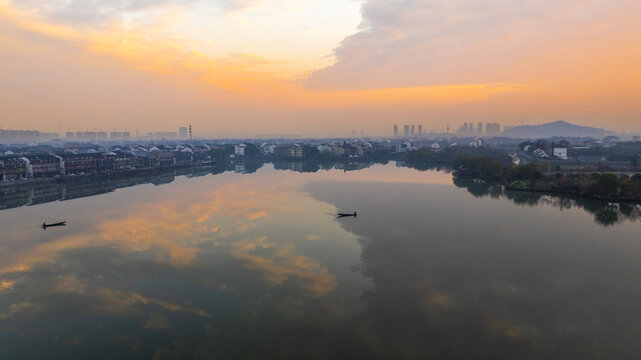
(340, 215)
(44, 226)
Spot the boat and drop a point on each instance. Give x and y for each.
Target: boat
(340, 215)
(44, 226)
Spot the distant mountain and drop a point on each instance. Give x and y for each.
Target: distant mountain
(557, 128)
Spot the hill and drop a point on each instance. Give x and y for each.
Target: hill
(557, 128)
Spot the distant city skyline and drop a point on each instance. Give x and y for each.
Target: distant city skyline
(468, 128)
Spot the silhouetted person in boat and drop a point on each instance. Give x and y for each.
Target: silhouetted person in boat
(342, 215)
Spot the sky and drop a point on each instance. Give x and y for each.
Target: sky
(243, 68)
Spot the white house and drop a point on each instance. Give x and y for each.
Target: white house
(476, 143)
(239, 150)
(405, 147)
(323, 148)
(561, 153)
(541, 154)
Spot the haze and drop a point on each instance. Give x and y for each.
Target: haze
(235, 68)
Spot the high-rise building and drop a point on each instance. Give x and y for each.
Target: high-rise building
(406, 130)
(126, 136)
(183, 133)
(479, 128)
(101, 136)
(395, 130)
(19, 136)
(492, 128)
(70, 136)
(413, 130)
(420, 129)
(86, 136)
(115, 136)
(471, 129)
(464, 129)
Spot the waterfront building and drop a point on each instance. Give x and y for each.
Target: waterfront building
(337, 149)
(43, 165)
(561, 153)
(87, 163)
(12, 168)
(239, 150)
(295, 151)
(352, 150)
(405, 147)
(159, 158)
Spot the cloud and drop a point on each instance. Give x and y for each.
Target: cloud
(141, 64)
(93, 12)
(6, 285)
(406, 43)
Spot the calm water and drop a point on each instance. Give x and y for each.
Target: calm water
(256, 266)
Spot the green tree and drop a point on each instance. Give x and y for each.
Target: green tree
(251, 150)
(607, 185)
(310, 152)
(529, 171)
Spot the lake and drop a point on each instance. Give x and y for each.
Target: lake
(256, 265)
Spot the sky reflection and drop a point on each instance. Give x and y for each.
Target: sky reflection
(257, 265)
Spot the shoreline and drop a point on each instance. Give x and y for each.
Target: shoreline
(550, 191)
(575, 193)
(34, 182)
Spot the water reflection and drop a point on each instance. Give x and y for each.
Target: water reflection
(183, 263)
(35, 194)
(456, 279)
(605, 213)
(256, 265)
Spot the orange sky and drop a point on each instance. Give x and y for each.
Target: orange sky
(317, 68)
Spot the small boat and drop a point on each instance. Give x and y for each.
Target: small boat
(340, 215)
(44, 226)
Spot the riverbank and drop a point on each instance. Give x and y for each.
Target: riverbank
(519, 186)
(35, 182)
(536, 178)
